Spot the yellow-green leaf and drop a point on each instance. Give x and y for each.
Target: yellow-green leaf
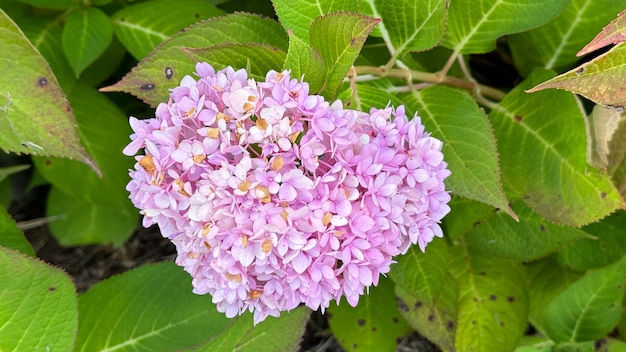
(35, 117)
(602, 79)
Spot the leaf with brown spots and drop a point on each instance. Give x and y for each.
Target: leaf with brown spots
(35, 116)
(601, 80)
(544, 158)
(38, 309)
(163, 69)
(483, 282)
(373, 325)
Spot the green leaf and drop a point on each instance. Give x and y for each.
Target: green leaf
(599, 80)
(436, 322)
(37, 305)
(531, 238)
(35, 117)
(607, 246)
(535, 344)
(613, 33)
(427, 294)
(45, 34)
(422, 274)
(543, 158)
(166, 66)
(590, 308)
(575, 347)
(338, 37)
(475, 25)
(554, 45)
(469, 146)
(271, 335)
(150, 308)
(373, 97)
(86, 34)
(11, 236)
(259, 58)
(141, 27)
(410, 25)
(51, 4)
(80, 222)
(105, 134)
(298, 15)
(493, 304)
(306, 62)
(464, 215)
(373, 325)
(546, 280)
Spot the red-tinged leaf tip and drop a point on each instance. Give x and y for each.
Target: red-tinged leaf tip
(599, 80)
(613, 33)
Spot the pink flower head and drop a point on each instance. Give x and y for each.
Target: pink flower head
(276, 198)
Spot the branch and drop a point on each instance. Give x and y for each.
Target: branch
(475, 88)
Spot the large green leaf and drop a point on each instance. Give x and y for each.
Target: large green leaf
(436, 322)
(590, 308)
(600, 79)
(37, 305)
(409, 25)
(35, 117)
(464, 215)
(493, 303)
(105, 134)
(86, 34)
(272, 335)
(150, 308)
(259, 58)
(555, 44)
(606, 247)
(338, 37)
(165, 67)
(141, 27)
(306, 62)
(298, 15)
(541, 140)
(11, 236)
(475, 25)
(469, 146)
(531, 238)
(373, 325)
(45, 34)
(81, 222)
(422, 274)
(427, 294)
(546, 280)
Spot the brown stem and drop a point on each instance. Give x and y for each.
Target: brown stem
(473, 87)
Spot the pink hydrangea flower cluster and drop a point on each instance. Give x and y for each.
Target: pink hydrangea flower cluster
(274, 197)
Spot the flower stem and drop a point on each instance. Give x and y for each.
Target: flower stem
(475, 88)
